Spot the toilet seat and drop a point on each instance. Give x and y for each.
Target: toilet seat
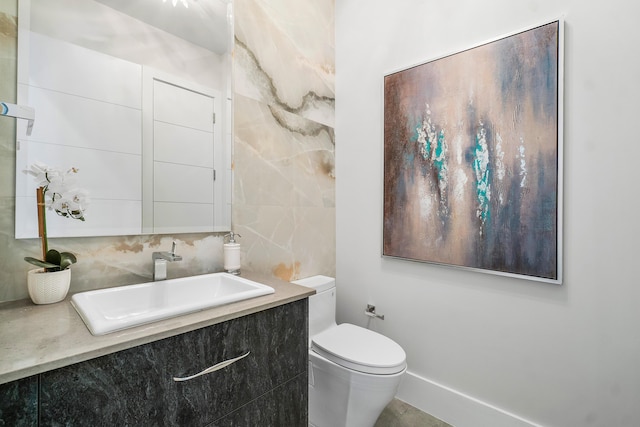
(360, 349)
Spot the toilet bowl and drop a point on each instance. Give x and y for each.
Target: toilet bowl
(353, 372)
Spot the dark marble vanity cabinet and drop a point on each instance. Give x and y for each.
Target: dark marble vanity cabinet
(136, 386)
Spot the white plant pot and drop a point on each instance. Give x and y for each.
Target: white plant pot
(47, 288)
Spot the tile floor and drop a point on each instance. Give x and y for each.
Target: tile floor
(401, 414)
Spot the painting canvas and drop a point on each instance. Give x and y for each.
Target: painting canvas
(472, 158)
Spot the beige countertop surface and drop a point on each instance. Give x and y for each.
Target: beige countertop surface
(39, 338)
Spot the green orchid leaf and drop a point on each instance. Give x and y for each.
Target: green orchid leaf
(66, 259)
(53, 257)
(37, 262)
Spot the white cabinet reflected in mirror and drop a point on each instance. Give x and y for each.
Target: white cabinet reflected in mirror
(137, 96)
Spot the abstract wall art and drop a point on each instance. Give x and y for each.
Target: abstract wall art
(473, 158)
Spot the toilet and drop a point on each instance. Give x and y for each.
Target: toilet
(353, 372)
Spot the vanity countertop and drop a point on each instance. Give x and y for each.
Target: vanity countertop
(39, 338)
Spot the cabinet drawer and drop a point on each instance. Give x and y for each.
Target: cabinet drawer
(136, 386)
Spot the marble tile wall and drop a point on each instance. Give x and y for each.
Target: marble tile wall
(284, 192)
(284, 180)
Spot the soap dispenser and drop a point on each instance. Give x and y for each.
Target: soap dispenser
(232, 254)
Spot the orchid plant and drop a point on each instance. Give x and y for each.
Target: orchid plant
(56, 192)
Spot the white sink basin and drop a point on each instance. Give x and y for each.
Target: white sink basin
(114, 309)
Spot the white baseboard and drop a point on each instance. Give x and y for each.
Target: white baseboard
(454, 407)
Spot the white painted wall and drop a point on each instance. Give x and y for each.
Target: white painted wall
(486, 350)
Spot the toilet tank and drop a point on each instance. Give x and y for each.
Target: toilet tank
(322, 305)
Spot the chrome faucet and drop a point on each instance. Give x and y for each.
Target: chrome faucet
(160, 262)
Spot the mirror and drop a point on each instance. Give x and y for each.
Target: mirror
(137, 96)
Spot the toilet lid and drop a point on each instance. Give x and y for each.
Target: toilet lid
(360, 349)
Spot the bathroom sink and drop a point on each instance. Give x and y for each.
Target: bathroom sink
(114, 309)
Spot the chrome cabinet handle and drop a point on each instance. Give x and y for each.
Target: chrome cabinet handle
(213, 368)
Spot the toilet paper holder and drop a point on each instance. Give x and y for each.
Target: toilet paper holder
(371, 312)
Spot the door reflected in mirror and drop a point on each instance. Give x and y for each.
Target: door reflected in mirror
(137, 97)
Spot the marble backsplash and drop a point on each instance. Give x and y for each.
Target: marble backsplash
(284, 183)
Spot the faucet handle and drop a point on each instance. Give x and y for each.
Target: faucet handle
(173, 248)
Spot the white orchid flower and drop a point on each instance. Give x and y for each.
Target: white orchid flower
(71, 204)
(39, 171)
(59, 187)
